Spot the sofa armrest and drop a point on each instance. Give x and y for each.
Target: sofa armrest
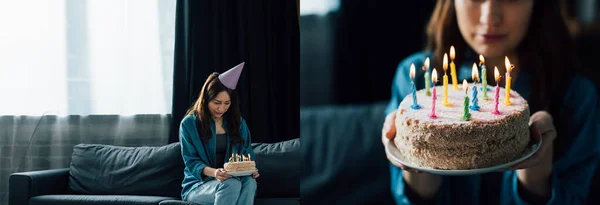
(24, 185)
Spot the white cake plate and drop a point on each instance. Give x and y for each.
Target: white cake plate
(242, 173)
(395, 154)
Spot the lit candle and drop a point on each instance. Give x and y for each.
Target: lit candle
(483, 76)
(249, 159)
(415, 105)
(497, 93)
(427, 79)
(434, 79)
(445, 67)
(466, 115)
(509, 67)
(475, 77)
(453, 69)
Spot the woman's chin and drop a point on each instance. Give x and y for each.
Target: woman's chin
(490, 51)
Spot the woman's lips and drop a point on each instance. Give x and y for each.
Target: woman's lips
(491, 38)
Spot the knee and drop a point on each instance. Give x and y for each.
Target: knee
(230, 185)
(249, 183)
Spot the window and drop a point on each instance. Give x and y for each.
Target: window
(84, 57)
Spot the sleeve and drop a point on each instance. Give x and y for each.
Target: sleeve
(572, 174)
(400, 88)
(245, 132)
(190, 154)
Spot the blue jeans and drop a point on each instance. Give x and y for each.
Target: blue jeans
(235, 190)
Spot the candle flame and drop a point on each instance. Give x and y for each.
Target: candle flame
(445, 62)
(452, 53)
(509, 66)
(434, 76)
(426, 64)
(249, 159)
(481, 59)
(474, 73)
(496, 74)
(412, 71)
(465, 85)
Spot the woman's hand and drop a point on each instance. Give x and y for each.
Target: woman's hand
(221, 175)
(255, 175)
(534, 172)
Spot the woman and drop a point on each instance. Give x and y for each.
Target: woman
(564, 104)
(212, 130)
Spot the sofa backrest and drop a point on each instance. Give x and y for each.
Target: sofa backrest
(279, 165)
(108, 169)
(344, 160)
(158, 171)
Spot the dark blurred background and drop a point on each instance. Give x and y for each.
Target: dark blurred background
(349, 51)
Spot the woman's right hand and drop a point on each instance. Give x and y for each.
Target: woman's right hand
(221, 175)
(388, 133)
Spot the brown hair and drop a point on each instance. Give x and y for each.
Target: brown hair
(547, 51)
(211, 88)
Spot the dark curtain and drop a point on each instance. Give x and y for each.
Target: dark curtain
(215, 35)
(371, 39)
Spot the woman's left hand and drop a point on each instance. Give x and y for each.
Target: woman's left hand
(534, 172)
(255, 175)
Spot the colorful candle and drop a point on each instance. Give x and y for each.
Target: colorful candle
(453, 69)
(509, 67)
(475, 77)
(434, 79)
(415, 105)
(445, 67)
(427, 79)
(497, 93)
(466, 115)
(483, 76)
(249, 159)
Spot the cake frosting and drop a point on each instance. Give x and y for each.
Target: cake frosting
(239, 166)
(451, 143)
(239, 163)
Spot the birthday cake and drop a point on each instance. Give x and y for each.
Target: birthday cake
(453, 140)
(239, 163)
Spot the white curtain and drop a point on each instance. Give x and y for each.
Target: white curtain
(98, 71)
(118, 61)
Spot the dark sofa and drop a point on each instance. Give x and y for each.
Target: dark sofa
(345, 160)
(105, 174)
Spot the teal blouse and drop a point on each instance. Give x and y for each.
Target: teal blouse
(197, 155)
(571, 174)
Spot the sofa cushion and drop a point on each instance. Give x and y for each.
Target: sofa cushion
(96, 199)
(279, 165)
(119, 170)
(176, 202)
(258, 201)
(277, 201)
